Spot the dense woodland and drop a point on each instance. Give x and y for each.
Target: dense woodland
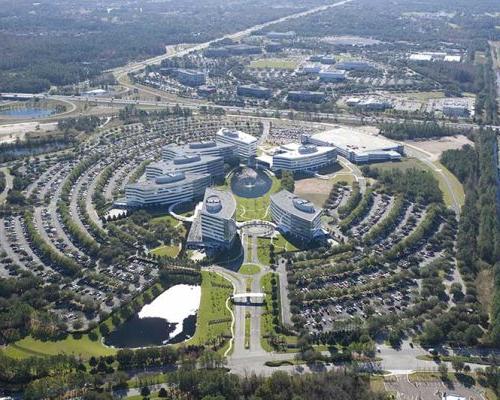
(478, 244)
(409, 130)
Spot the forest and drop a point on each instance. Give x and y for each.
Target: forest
(409, 130)
(478, 240)
(64, 42)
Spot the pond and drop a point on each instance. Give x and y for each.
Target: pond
(28, 112)
(250, 183)
(170, 318)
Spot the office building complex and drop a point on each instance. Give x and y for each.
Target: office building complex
(188, 162)
(358, 146)
(167, 189)
(303, 157)
(295, 216)
(245, 144)
(206, 148)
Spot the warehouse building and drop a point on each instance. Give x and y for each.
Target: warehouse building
(295, 216)
(358, 146)
(332, 75)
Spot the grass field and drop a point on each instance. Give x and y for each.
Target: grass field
(281, 244)
(248, 321)
(83, 347)
(214, 319)
(275, 63)
(168, 251)
(263, 252)
(249, 269)
(249, 209)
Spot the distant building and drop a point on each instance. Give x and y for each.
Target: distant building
(281, 35)
(216, 52)
(370, 104)
(295, 216)
(246, 144)
(206, 90)
(254, 91)
(297, 157)
(167, 189)
(273, 47)
(354, 65)
(206, 148)
(191, 78)
(357, 146)
(189, 163)
(232, 50)
(332, 75)
(306, 95)
(329, 60)
(310, 68)
(456, 108)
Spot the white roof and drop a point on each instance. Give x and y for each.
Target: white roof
(421, 57)
(294, 150)
(249, 294)
(351, 139)
(453, 58)
(237, 135)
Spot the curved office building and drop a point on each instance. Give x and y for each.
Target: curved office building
(303, 157)
(296, 216)
(208, 148)
(189, 163)
(246, 144)
(167, 189)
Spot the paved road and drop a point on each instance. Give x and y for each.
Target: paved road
(9, 180)
(286, 314)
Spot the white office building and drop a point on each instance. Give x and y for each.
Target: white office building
(246, 144)
(190, 163)
(298, 157)
(167, 189)
(296, 216)
(205, 148)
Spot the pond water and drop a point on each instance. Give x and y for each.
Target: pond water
(250, 183)
(28, 112)
(170, 318)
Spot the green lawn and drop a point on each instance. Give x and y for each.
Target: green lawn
(276, 63)
(263, 250)
(267, 325)
(249, 209)
(281, 244)
(249, 269)
(214, 319)
(248, 321)
(83, 347)
(168, 251)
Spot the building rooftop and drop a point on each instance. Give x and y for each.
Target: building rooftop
(169, 179)
(298, 150)
(239, 135)
(219, 203)
(191, 159)
(197, 146)
(295, 205)
(354, 140)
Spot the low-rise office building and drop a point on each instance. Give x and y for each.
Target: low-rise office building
(188, 162)
(190, 77)
(306, 95)
(260, 92)
(168, 189)
(296, 216)
(297, 157)
(246, 144)
(358, 146)
(332, 75)
(204, 148)
(354, 65)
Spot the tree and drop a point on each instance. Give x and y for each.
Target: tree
(458, 365)
(145, 392)
(443, 371)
